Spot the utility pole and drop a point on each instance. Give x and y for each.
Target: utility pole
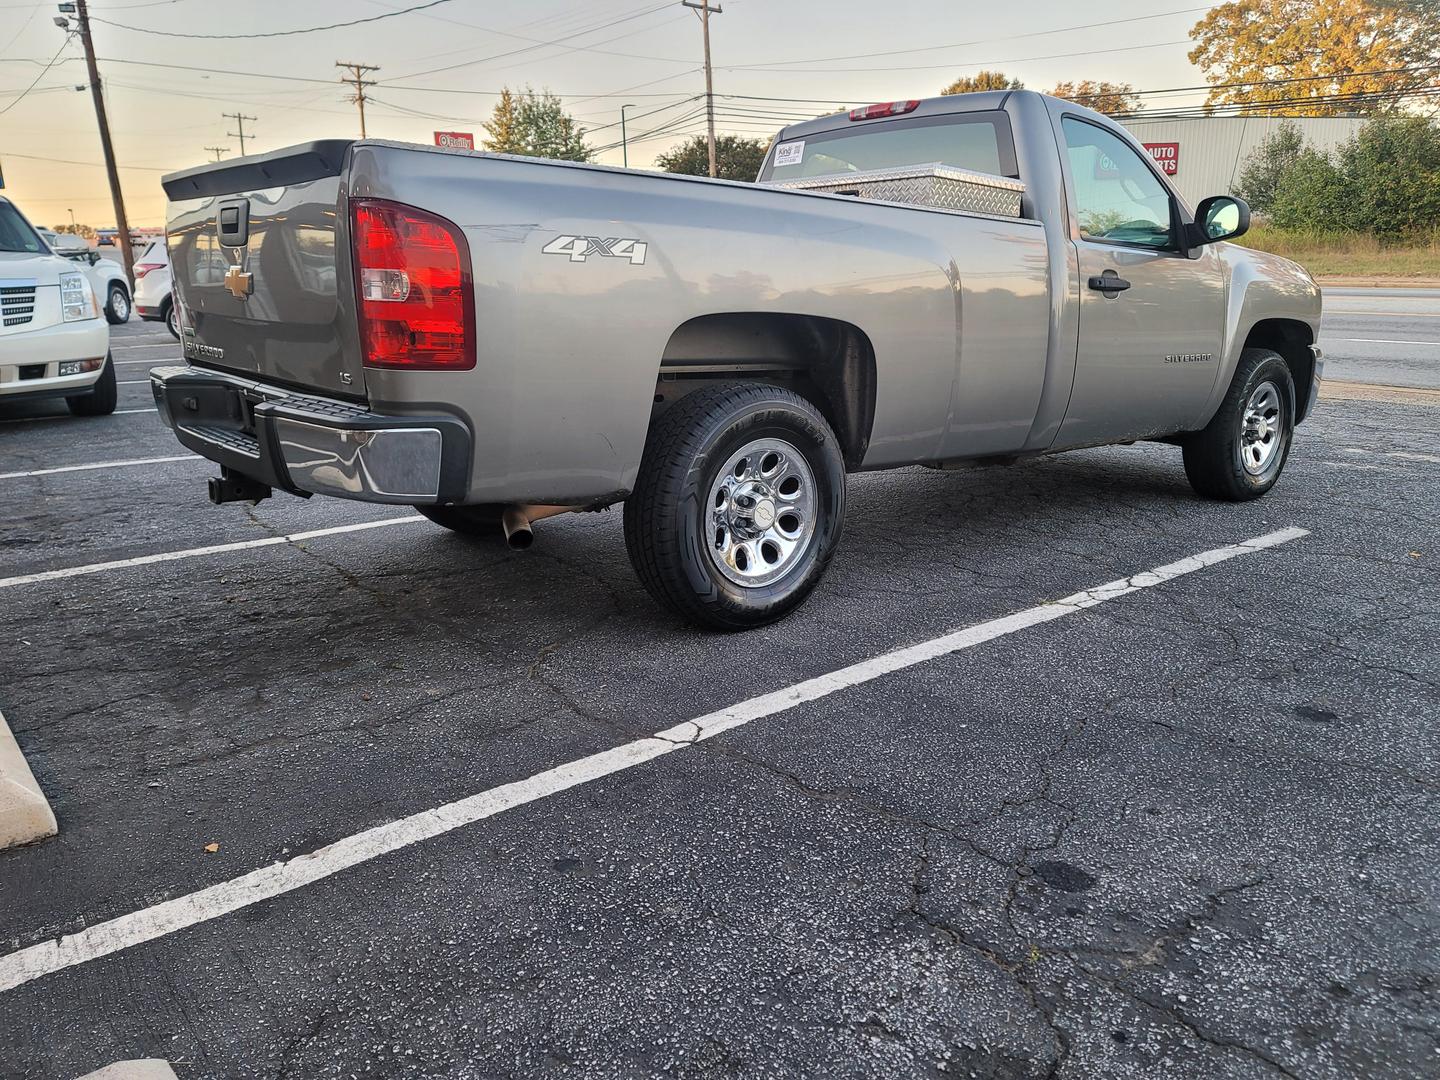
(624, 150)
(705, 10)
(218, 151)
(359, 82)
(239, 119)
(122, 224)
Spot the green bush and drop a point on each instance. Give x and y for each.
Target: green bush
(1385, 181)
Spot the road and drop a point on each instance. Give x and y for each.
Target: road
(1383, 336)
(1182, 826)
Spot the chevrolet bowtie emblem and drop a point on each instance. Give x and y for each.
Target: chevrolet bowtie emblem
(239, 282)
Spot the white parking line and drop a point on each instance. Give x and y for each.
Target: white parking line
(1406, 454)
(67, 416)
(1385, 314)
(195, 553)
(134, 382)
(153, 363)
(99, 465)
(267, 882)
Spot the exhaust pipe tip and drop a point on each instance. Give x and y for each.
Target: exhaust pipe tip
(518, 533)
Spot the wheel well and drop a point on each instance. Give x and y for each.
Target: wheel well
(121, 283)
(1292, 340)
(830, 361)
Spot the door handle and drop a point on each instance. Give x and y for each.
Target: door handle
(1109, 283)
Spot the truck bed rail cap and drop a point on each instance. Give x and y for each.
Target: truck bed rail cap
(279, 168)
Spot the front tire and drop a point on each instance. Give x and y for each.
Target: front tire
(738, 507)
(100, 401)
(1242, 451)
(117, 306)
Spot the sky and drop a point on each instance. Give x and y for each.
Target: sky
(775, 61)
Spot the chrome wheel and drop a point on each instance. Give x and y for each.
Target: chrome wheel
(172, 321)
(1262, 429)
(119, 305)
(761, 512)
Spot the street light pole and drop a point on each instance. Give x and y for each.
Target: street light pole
(624, 150)
(72, 217)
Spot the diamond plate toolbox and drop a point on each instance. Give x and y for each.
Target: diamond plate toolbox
(945, 187)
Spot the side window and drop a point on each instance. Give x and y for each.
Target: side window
(1117, 197)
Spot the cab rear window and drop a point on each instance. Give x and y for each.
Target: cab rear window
(979, 141)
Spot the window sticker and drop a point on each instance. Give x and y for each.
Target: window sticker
(790, 153)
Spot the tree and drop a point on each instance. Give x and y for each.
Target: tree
(735, 158)
(1103, 97)
(1276, 154)
(1385, 181)
(1256, 42)
(1393, 166)
(534, 125)
(503, 127)
(983, 80)
(87, 231)
(1312, 195)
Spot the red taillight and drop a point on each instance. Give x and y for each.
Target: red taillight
(141, 269)
(413, 289)
(885, 108)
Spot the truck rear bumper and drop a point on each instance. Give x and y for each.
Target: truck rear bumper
(306, 444)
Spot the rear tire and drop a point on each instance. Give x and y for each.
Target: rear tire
(117, 306)
(1242, 451)
(172, 319)
(100, 401)
(738, 507)
(480, 521)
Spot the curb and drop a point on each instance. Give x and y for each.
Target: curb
(1336, 390)
(25, 814)
(1339, 281)
(139, 1069)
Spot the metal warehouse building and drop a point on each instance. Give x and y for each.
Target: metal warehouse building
(1205, 155)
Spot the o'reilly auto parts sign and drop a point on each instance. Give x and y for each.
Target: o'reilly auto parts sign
(455, 140)
(1166, 155)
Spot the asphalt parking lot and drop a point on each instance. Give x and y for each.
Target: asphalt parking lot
(1184, 826)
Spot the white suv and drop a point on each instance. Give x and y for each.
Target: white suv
(54, 341)
(152, 287)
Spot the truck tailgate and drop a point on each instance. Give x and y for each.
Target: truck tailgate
(258, 259)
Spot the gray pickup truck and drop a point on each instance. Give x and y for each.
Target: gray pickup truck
(495, 340)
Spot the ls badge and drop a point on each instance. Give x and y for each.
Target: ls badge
(580, 248)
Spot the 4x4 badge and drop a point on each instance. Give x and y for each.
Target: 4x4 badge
(580, 248)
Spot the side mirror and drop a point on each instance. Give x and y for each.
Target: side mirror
(93, 256)
(1220, 217)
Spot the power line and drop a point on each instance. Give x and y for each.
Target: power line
(531, 48)
(218, 151)
(774, 69)
(272, 33)
(25, 93)
(988, 41)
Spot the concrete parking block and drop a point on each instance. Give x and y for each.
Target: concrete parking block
(25, 814)
(140, 1069)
